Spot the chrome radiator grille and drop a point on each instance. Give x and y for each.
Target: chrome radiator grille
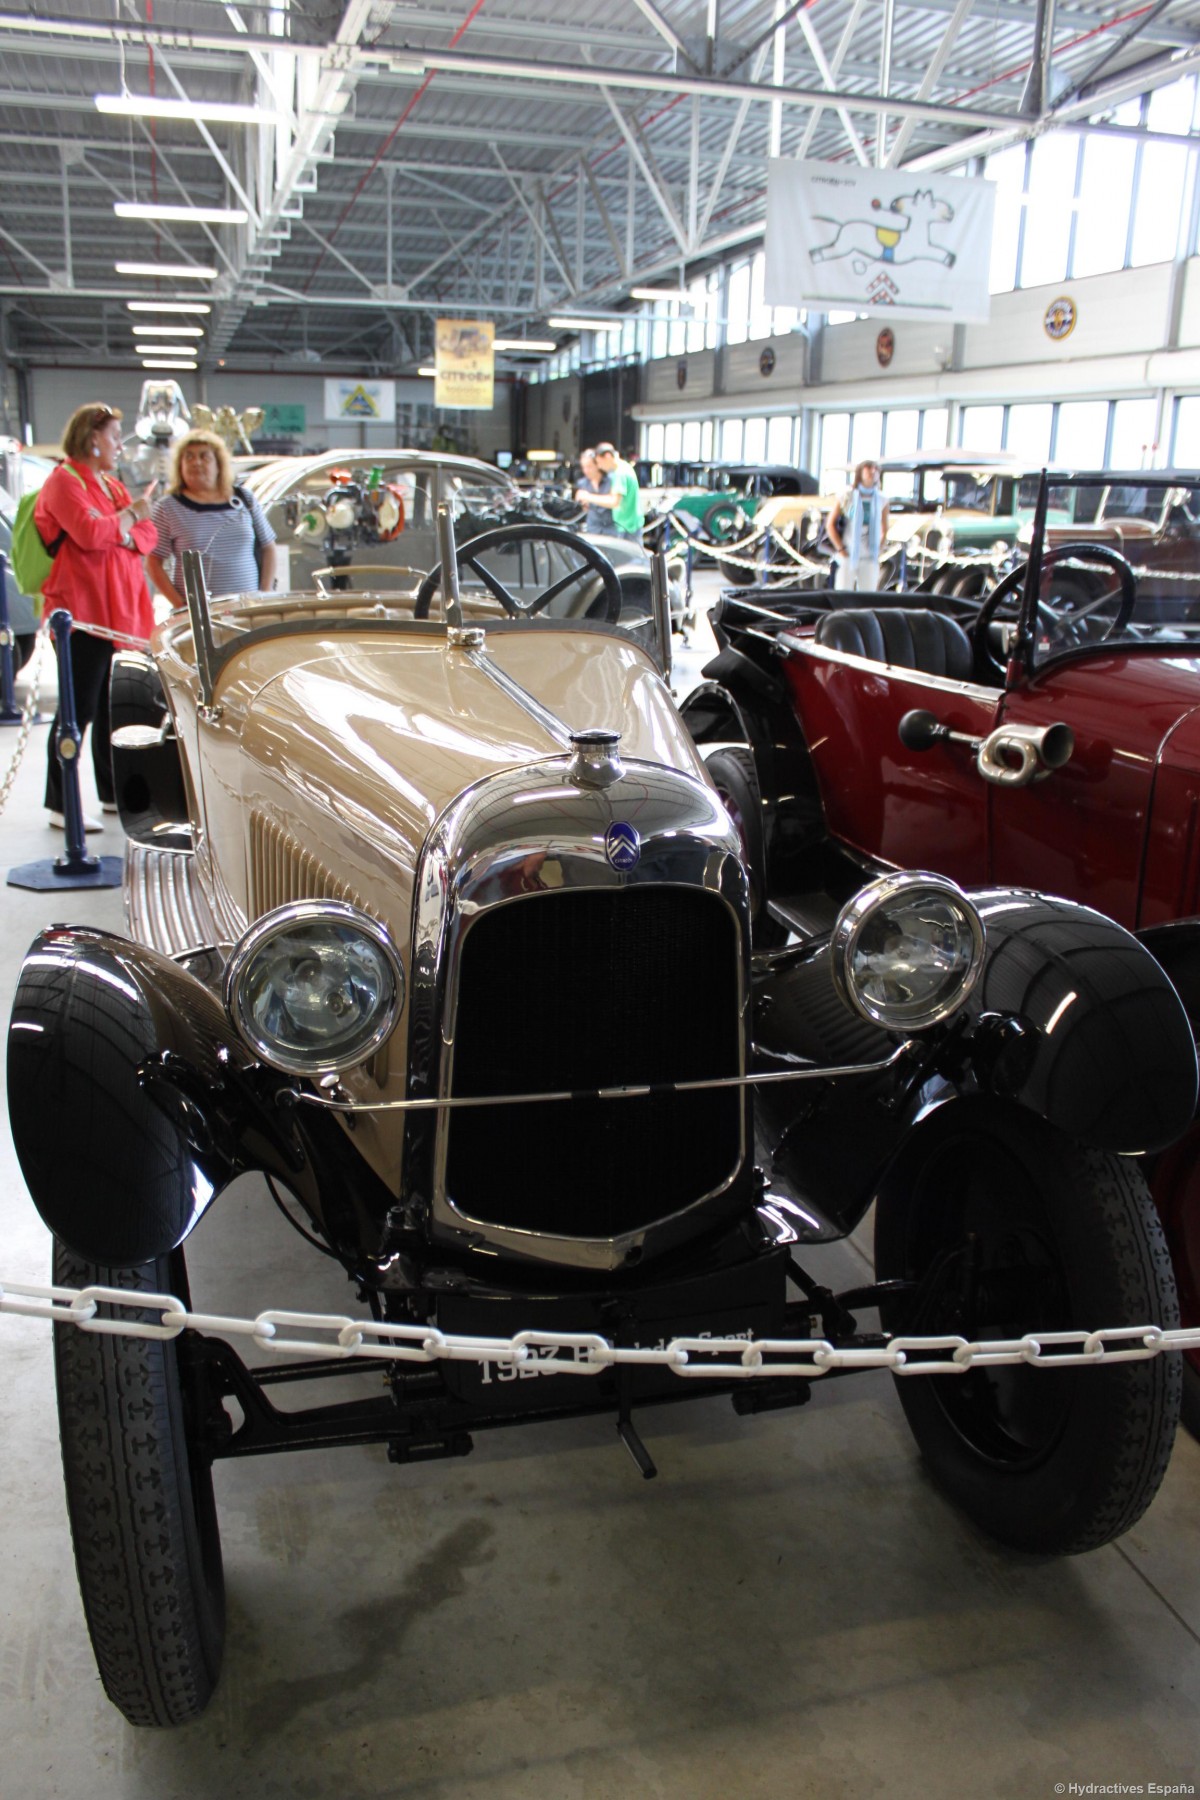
(587, 989)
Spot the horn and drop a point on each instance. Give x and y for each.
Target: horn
(1015, 755)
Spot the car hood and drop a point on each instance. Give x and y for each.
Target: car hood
(376, 736)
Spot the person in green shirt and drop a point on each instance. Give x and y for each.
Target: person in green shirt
(624, 498)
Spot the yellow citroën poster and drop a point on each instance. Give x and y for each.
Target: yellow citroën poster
(464, 362)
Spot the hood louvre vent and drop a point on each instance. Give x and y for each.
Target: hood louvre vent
(282, 870)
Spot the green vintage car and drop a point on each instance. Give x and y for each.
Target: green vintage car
(716, 502)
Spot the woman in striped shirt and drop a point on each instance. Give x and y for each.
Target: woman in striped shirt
(204, 511)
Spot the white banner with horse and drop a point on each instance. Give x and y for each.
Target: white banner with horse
(890, 242)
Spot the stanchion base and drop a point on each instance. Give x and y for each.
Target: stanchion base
(42, 877)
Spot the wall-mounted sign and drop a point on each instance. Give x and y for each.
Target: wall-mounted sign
(885, 346)
(681, 375)
(361, 402)
(1060, 318)
(766, 361)
(279, 421)
(877, 240)
(465, 363)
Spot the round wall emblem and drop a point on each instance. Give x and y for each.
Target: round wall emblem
(622, 846)
(680, 374)
(885, 346)
(1060, 318)
(766, 362)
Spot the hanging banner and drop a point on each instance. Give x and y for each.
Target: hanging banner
(360, 402)
(465, 362)
(877, 241)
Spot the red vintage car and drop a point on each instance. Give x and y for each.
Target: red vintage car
(1047, 736)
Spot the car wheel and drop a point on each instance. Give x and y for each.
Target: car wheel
(1007, 1227)
(140, 1505)
(736, 781)
(723, 522)
(736, 575)
(1175, 1183)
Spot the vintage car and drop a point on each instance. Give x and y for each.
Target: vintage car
(438, 923)
(716, 503)
(1045, 734)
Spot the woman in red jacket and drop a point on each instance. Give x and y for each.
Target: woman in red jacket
(97, 576)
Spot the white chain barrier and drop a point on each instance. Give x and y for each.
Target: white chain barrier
(587, 1353)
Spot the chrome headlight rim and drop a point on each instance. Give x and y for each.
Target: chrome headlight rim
(274, 924)
(864, 907)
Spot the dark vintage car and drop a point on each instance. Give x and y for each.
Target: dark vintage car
(1048, 734)
(437, 922)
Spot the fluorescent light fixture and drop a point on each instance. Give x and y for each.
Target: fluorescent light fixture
(172, 271)
(427, 369)
(183, 215)
(165, 349)
(168, 306)
(167, 330)
(541, 456)
(656, 293)
(562, 322)
(531, 344)
(218, 112)
(168, 362)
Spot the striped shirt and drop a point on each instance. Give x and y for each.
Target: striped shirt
(225, 534)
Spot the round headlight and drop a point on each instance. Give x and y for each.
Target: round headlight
(907, 951)
(314, 987)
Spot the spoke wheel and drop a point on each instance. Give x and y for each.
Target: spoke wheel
(1008, 1228)
(140, 1505)
(585, 560)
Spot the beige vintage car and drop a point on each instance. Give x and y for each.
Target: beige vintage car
(438, 923)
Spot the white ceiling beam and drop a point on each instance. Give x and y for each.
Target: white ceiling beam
(830, 80)
(932, 75)
(640, 156)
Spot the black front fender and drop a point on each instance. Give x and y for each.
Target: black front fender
(1071, 1018)
(131, 1104)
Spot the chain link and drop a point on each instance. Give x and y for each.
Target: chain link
(29, 713)
(586, 1353)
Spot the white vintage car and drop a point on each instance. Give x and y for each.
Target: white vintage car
(437, 920)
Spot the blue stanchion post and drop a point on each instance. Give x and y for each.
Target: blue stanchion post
(10, 712)
(75, 869)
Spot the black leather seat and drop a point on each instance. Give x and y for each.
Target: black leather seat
(906, 638)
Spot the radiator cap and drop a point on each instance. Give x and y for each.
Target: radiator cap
(596, 760)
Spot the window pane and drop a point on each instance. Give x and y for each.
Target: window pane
(1029, 429)
(866, 438)
(1048, 208)
(785, 320)
(731, 440)
(835, 450)
(706, 441)
(1104, 195)
(698, 300)
(1081, 429)
(1133, 443)
(754, 444)
(1007, 170)
(1159, 199)
(1185, 452)
(1171, 107)
(760, 314)
(678, 333)
(980, 427)
(935, 426)
(779, 440)
(738, 307)
(901, 433)
(654, 443)
(691, 439)
(673, 442)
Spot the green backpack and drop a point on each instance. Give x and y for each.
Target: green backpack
(30, 557)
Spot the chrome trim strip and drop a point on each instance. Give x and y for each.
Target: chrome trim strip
(830, 1072)
(550, 722)
(942, 684)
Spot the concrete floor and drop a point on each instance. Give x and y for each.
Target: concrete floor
(789, 1610)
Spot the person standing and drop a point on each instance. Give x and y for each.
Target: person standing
(623, 500)
(857, 528)
(594, 522)
(203, 510)
(97, 575)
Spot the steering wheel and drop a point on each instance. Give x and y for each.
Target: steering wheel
(468, 558)
(1060, 617)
